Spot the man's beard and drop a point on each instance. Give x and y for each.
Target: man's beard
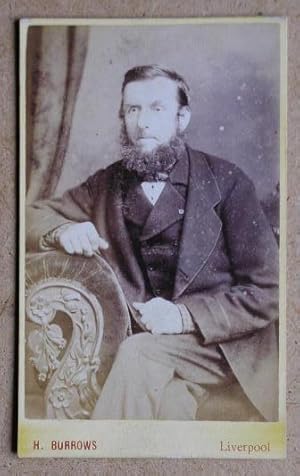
(154, 165)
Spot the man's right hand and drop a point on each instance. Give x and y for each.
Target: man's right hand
(81, 239)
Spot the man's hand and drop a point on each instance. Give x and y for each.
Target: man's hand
(81, 239)
(160, 316)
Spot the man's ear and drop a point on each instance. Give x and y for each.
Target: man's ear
(184, 116)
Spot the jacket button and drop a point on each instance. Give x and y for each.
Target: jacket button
(150, 268)
(180, 211)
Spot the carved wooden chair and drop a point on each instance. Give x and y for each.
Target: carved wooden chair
(76, 317)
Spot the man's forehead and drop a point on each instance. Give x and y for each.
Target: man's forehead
(155, 89)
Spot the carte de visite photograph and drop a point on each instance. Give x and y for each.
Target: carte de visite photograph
(152, 237)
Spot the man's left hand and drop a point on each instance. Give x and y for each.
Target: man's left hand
(160, 316)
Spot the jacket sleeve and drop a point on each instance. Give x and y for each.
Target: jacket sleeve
(75, 205)
(251, 303)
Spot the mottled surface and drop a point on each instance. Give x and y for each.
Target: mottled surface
(10, 11)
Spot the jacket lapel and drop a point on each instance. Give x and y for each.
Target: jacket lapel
(168, 209)
(202, 226)
(121, 254)
(136, 207)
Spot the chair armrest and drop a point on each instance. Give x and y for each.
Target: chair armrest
(81, 295)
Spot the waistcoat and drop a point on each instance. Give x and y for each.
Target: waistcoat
(156, 230)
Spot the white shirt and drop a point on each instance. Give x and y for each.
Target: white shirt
(152, 190)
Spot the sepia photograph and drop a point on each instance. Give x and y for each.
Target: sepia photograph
(152, 238)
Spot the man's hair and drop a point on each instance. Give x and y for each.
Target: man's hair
(151, 71)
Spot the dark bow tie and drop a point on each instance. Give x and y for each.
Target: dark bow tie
(155, 177)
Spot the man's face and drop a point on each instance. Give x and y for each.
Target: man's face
(151, 112)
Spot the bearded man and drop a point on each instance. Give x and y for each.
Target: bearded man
(194, 255)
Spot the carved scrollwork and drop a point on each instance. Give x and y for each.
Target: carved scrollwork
(46, 345)
(72, 388)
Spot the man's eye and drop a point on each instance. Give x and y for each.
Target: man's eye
(132, 109)
(158, 109)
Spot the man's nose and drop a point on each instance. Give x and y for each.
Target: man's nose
(143, 120)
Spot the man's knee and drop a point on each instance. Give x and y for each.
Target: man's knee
(133, 346)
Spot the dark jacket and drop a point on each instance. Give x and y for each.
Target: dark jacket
(227, 269)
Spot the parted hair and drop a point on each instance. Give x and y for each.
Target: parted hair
(152, 71)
